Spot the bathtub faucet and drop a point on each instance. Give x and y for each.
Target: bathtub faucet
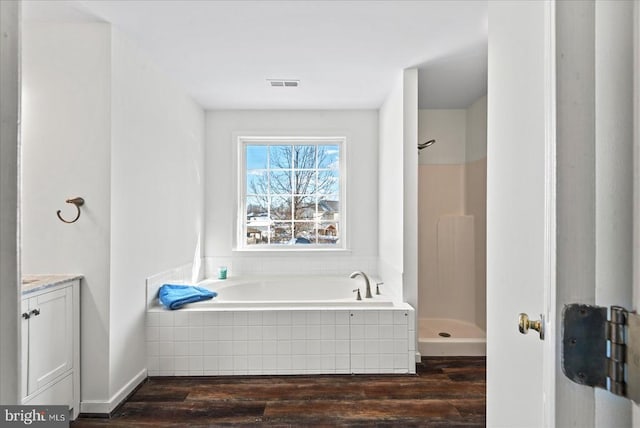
(366, 281)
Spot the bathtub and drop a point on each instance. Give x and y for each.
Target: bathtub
(283, 325)
(296, 291)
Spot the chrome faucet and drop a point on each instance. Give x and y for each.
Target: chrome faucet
(366, 281)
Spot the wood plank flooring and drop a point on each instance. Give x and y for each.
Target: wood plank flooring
(446, 392)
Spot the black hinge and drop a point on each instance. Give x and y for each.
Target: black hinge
(602, 353)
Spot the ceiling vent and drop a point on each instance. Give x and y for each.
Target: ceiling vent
(282, 83)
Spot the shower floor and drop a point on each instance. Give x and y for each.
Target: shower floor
(450, 337)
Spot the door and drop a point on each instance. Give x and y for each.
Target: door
(520, 213)
(557, 70)
(50, 337)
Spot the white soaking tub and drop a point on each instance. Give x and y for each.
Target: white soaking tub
(281, 325)
(295, 291)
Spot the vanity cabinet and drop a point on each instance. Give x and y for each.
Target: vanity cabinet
(50, 346)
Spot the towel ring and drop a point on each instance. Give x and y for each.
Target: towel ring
(78, 202)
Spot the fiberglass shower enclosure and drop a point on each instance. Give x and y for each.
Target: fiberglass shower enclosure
(452, 231)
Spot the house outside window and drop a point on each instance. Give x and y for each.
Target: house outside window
(291, 193)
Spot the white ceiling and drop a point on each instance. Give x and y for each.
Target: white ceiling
(346, 54)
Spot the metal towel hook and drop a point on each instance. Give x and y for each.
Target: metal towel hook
(78, 202)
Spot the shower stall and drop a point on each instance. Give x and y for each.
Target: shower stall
(452, 231)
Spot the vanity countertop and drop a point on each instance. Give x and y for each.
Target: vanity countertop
(33, 283)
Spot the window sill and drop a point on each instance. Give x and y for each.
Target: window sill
(291, 250)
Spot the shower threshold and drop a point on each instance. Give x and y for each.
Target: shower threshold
(450, 337)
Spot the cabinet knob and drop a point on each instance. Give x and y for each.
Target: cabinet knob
(35, 312)
(26, 315)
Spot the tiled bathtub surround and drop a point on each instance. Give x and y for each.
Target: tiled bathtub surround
(280, 341)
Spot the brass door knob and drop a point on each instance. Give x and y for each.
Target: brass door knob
(524, 324)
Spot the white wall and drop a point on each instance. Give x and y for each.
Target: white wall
(476, 134)
(410, 185)
(460, 134)
(449, 128)
(391, 186)
(9, 203)
(398, 188)
(66, 153)
(360, 128)
(102, 122)
(157, 189)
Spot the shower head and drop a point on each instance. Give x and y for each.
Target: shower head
(425, 145)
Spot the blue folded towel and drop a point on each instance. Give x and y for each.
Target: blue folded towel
(174, 296)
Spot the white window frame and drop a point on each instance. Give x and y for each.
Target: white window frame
(241, 196)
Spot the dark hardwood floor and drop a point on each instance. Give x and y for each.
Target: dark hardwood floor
(446, 392)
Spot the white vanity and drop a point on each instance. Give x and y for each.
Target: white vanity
(51, 340)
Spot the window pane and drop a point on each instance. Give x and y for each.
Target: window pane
(328, 233)
(328, 182)
(329, 208)
(257, 182)
(256, 236)
(304, 182)
(256, 157)
(305, 207)
(258, 220)
(305, 157)
(281, 233)
(280, 183)
(305, 233)
(280, 157)
(256, 207)
(329, 157)
(281, 207)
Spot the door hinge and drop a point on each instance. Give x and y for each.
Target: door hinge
(600, 352)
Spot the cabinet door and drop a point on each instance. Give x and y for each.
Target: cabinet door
(50, 337)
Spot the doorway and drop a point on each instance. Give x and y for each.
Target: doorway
(452, 198)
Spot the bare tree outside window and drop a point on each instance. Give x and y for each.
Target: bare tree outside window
(292, 194)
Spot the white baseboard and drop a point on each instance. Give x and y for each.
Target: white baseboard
(106, 407)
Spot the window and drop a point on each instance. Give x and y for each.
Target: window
(291, 193)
